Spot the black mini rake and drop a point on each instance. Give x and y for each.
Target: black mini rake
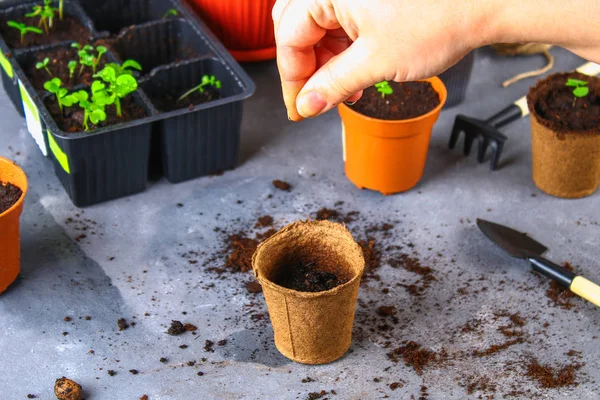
(487, 131)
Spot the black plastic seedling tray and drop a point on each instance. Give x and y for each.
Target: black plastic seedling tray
(175, 52)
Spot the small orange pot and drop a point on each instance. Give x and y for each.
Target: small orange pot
(388, 156)
(244, 26)
(10, 238)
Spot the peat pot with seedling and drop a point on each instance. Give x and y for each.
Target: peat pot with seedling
(565, 129)
(386, 133)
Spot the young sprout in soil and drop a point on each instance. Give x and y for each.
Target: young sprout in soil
(93, 111)
(44, 64)
(384, 88)
(207, 80)
(121, 83)
(580, 88)
(85, 58)
(46, 14)
(61, 8)
(170, 13)
(24, 29)
(72, 66)
(54, 86)
(100, 50)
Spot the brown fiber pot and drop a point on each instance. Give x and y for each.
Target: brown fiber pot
(310, 328)
(565, 163)
(10, 238)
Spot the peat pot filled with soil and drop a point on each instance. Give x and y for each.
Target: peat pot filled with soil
(310, 274)
(13, 187)
(565, 130)
(386, 133)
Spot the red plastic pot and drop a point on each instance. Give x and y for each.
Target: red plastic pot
(244, 26)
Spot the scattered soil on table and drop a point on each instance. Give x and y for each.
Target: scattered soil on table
(144, 397)
(9, 195)
(240, 249)
(169, 101)
(282, 185)
(31, 396)
(67, 389)
(176, 328)
(190, 327)
(310, 277)
(264, 222)
(561, 111)
(412, 264)
(122, 324)
(70, 120)
(414, 355)
(550, 377)
(560, 296)
(409, 100)
(58, 66)
(134, 371)
(67, 29)
(208, 346)
(336, 216)
(317, 395)
(111, 372)
(480, 384)
(253, 287)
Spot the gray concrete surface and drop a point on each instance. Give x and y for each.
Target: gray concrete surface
(147, 235)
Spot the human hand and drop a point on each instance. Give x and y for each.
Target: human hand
(329, 50)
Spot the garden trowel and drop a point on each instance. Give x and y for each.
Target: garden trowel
(487, 131)
(520, 245)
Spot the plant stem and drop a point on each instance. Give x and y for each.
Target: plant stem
(59, 103)
(85, 120)
(81, 70)
(192, 90)
(61, 6)
(48, 71)
(118, 105)
(45, 22)
(22, 37)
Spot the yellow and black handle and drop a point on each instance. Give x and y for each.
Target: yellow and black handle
(579, 285)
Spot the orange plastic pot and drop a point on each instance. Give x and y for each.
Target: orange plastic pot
(388, 156)
(10, 238)
(244, 26)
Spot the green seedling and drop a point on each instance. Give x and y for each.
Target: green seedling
(384, 88)
(54, 86)
(44, 64)
(46, 14)
(581, 88)
(24, 29)
(170, 13)
(85, 58)
(100, 50)
(121, 83)
(72, 67)
(207, 80)
(93, 111)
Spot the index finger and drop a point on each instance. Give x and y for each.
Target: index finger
(303, 23)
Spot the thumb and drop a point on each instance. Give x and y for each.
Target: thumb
(342, 76)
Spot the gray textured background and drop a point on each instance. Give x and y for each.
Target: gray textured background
(148, 232)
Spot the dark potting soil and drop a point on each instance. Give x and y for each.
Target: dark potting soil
(281, 185)
(58, 66)
(563, 110)
(9, 195)
(309, 277)
(409, 100)
(550, 377)
(67, 29)
(169, 101)
(71, 119)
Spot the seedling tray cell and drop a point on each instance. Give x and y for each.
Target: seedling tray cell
(197, 139)
(160, 43)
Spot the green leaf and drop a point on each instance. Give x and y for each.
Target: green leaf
(102, 98)
(33, 29)
(14, 24)
(218, 84)
(68, 100)
(98, 86)
(575, 82)
(124, 85)
(101, 50)
(62, 92)
(88, 47)
(76, 45)
(132, 64)
(53, 85)
(97, 116)
(81, 95)
(581, 91)
(107, 74)
(72, 65)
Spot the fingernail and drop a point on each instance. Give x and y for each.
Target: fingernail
(350, 103)
(311, 104)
